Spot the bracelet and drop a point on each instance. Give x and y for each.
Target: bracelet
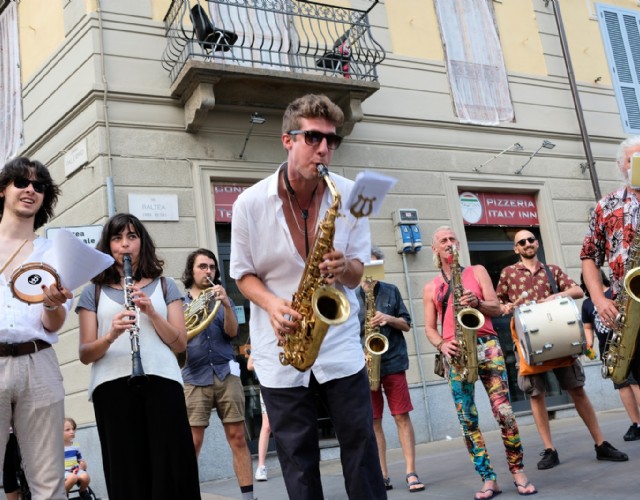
(109, 341)
(439, 345)
(49, 308)
(175, 340)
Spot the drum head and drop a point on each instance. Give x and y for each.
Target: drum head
(26, 281)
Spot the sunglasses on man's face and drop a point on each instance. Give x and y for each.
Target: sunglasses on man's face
(314, 138)
(524, 241)
(22, 183)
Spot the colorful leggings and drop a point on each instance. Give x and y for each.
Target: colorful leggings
(492, 373)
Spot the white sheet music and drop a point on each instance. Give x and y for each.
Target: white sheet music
(74, 261)
(368, 193)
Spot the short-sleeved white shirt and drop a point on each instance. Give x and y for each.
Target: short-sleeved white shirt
(262, 245)
(19, 321)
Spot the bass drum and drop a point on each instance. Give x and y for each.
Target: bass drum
(549, 330)
(27, 280)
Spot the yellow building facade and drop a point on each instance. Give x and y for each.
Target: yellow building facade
(96, 81)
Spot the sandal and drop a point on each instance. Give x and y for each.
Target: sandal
(524, 486)
(387, 483)
(494, 493)
(416, 484)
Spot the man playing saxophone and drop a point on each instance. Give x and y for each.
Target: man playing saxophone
(211, 375)
(613, 230)
(392, 320)
(287, 207)
(480, 295)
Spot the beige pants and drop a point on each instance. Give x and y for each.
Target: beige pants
(31, 392)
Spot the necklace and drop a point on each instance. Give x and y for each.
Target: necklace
(444, 276)
(303, 211)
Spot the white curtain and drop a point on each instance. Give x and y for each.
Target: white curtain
(264, 34)
(475, 64)
(10, 88)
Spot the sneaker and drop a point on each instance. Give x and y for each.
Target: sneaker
(549, 459)
(607, 452)
(633, 434)
(261, 473)
(85, 495)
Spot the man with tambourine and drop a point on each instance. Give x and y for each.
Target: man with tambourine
(530, 287)
(31, 389)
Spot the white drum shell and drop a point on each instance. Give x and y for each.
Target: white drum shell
(549, 330)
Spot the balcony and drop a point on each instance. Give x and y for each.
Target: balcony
(264, 53)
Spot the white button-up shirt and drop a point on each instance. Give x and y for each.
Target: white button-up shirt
(262, 245)
(21, 322)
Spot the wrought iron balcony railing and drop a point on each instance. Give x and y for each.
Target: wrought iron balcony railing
(291, 36)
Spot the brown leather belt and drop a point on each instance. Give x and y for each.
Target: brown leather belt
(23, 348)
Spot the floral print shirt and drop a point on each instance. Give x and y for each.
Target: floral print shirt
(517, 278)
(611, 230)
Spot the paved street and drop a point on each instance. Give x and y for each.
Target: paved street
(446, 470)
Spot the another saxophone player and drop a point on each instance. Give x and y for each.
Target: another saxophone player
(612, 235)
(147, 449)
(392, 320)
(438, 299)
(211, 374)
(276, 226)
(541, 283)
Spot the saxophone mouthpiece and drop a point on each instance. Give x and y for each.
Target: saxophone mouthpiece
(322, 169)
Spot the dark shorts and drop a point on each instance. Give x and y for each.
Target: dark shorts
(397, 391)
(630, 381)
(569, 377)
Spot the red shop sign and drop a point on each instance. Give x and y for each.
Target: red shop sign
(224, 195)
(499, 209)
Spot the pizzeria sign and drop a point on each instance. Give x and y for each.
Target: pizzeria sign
(499, 209)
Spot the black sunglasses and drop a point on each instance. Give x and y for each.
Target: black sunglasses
(313, 138)
(22, 183)
(523, 241)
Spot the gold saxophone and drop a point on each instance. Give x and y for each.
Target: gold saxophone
(320, 305)
(466, 322)
(197, 316)
(621, 346)
(375, 344)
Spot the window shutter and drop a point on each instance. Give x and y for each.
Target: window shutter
(620, 30)
(10, 87)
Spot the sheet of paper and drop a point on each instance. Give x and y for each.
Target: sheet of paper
(368, 193)
(74, 261)
(374, 270)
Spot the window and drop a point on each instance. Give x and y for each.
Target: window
(264, 32)
(621, 38)
(475, 66)
(10, 88)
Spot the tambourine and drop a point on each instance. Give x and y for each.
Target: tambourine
(27, 280)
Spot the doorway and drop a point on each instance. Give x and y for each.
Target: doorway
(492, 247)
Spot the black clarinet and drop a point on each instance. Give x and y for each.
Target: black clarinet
(138, 377)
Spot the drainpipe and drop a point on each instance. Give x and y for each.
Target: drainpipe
(423, 379)
(111, 194)
(591, 164)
